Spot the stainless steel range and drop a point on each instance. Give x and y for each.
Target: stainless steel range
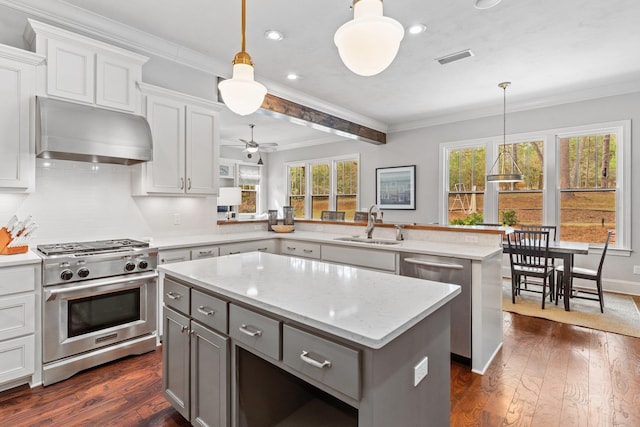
(99, 304)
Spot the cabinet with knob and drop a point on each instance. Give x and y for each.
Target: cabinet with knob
(195, 356)
(185, 133)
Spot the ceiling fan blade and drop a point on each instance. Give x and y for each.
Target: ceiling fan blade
(244, 140)
(268, 144)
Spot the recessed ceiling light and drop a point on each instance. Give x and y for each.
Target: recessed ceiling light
(293, 76)
(273, 35)
(486, 4)
(417, 29)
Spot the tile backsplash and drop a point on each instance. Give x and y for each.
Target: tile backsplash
(77, 201)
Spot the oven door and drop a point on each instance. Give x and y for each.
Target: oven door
(80, 317)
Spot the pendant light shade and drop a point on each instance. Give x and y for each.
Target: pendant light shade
(505, 168)
(241, 93)
(369, 43)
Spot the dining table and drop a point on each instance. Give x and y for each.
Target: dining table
(565, 251)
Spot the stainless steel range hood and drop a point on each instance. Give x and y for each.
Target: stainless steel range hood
(69, 131)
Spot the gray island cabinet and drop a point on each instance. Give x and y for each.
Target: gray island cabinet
(258, 339)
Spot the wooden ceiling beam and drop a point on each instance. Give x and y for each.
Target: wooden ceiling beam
(296, 113)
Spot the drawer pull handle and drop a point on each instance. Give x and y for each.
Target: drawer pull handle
(244, 329)
(173, 295)
(206, 252)
(233, 253)
(262, 249)
(308, 250)
(307, 359)
(291, 248)
(206, 311)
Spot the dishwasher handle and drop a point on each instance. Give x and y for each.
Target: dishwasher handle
(424, 263)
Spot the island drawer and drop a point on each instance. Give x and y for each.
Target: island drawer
(255, 330)
(301, 249)
(209, 311)
(325, 361)
(176, 295)
(205, 252)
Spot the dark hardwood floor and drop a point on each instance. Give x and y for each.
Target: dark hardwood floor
(547, 374)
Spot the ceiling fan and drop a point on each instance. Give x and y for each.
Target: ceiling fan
(251, 146)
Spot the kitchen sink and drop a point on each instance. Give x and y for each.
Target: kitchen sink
(368, 241)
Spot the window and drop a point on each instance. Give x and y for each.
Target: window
(588, 186)
(332, 184)
(249, 183)
(576, 178)
(346, 195)
(524, 198)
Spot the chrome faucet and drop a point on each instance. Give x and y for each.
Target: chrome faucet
(371, 219)
(399, 235)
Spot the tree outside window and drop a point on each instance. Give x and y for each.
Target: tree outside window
(466, 185)
(323, 185)
(249, 183)
(588, 181)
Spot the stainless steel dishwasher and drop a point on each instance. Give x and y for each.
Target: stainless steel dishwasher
(448, 270)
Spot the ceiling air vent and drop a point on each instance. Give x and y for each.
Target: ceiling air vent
(454, 57)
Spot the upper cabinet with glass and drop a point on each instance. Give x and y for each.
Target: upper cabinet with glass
(85, 70)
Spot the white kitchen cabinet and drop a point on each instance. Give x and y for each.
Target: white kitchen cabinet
(300, 249)
(185, 139)
(86, 70)
(17, 91)
(205, 252)
(240, 247)
(361, 257)
(19, 316)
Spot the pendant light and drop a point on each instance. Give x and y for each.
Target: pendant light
(505, 168)
(241, 93)
(369, 43)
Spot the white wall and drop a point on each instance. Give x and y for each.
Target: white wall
(420, 147)
(82, 201)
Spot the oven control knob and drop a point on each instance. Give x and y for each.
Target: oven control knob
(130, 266)
(66, 274)
(83, 272)
(143, 264)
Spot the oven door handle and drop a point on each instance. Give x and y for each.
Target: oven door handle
(52, 294)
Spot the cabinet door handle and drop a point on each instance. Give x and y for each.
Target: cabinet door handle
(206, 310)
(188, 183)
(307, 359)
(263, 249)
(184, 329)
(233, 253)
(291, 248)
(182, 183)
(173, 295)
(307, 250)
(245, 330)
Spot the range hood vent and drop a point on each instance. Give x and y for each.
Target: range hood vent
(69, 131)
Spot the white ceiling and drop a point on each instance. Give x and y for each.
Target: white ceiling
(551, 50)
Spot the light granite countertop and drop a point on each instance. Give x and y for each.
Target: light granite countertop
(456, 250)
(29, 257)
(362, 306)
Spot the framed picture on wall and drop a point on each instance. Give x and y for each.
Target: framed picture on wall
(396, 187)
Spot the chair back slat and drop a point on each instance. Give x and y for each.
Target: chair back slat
(604, 252)
(552, 229)
(529, 249)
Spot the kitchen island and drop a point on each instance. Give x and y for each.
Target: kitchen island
(288, 337)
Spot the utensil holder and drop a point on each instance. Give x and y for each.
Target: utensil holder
(5, 240)
(272, 219)
(287, 214)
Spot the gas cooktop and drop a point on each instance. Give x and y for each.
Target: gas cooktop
(98, 246)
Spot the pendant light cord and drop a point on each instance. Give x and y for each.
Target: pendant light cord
(244, 23)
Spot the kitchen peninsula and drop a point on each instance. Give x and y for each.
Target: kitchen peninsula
(342, 343)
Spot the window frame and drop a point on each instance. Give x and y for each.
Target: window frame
(551, 185)
(332, 161)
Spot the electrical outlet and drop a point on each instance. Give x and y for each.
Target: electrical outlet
(420, 371)
(471, 239)
(636, 269)
(176, 219)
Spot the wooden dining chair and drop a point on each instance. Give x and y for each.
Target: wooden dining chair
(529, 257)
(588, 274)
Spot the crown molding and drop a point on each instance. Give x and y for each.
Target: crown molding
(541, 101)
(20, 55)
